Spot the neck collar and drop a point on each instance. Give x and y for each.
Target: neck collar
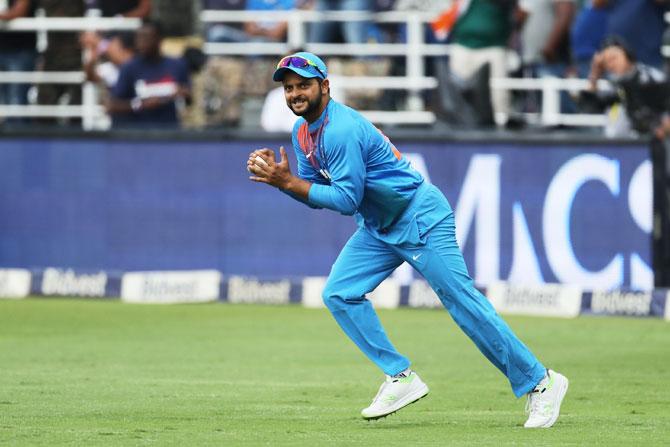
(313, 126)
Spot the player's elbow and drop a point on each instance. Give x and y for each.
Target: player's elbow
(348, 208)
(347, 204)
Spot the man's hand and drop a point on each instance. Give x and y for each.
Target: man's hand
(273, 173)
(276, 174)
(597, 69)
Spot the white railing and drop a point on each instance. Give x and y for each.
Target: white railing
(65, 24)
(90, 112)
(414, 52)
(551, 88)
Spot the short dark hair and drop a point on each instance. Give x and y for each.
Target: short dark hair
(619, 42)
(155, 24)
(127, 39)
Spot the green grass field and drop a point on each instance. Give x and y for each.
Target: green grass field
(88, 373)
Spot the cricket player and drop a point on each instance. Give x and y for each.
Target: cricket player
(347, 165)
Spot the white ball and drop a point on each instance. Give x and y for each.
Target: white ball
(259, 161)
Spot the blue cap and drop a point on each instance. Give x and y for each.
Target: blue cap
(309, 71)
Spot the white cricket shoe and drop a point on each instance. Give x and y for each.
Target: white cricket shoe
(544, 402)
(394, 394)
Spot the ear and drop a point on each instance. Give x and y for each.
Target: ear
(325, 86)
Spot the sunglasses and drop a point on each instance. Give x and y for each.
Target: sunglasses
(298, 62)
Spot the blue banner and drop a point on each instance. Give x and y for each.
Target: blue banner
(528, 213)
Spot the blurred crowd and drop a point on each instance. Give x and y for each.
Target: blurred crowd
(158, 75)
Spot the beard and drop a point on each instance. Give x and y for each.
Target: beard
(312, 106)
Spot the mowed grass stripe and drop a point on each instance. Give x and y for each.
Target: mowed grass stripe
(77, 372)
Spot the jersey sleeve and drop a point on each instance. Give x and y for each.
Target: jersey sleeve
(344, 154)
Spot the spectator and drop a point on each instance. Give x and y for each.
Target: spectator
(102, 62)
(587, 34)
(179, 20)
(545, 36)
(353, 31)
(125, 8)
(479, 36)
(63, 53)
(150, 85)
(640, 23)
(114, 8)
(17, 51)
(258, 31)
(640, 88)
(105, 58)
(545, 41)
(269, 30)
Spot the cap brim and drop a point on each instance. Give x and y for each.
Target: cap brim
(280, 72)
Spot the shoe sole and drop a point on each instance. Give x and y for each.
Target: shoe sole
(561, 395)
(410, 399)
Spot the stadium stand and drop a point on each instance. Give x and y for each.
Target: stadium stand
(413, 56)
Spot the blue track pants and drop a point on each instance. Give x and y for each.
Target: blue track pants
(366, 261)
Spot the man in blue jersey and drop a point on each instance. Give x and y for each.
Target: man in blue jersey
(347, 165)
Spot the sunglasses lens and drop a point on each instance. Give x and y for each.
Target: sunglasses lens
(298, 62)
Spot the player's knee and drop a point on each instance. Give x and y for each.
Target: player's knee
(334, 297)
(329, 296)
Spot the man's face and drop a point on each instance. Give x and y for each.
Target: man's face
(147, 41)
(615, 61)
(304, 96)
(116, 52)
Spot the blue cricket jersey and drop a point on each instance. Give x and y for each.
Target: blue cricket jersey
(355, 170)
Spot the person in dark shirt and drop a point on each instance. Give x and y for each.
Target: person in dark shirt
(642, 89)
(17, 51)
(125, 8)
(63, 53)
(640, 23)
(150, 85)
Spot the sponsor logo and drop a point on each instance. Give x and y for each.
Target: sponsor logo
(157, 287)
(621, 303)
(524, 297)
(171, 287)
(69, 283)
(163, 87)
(416, 257)
(251, 290)
(14, 283)
(542, 300)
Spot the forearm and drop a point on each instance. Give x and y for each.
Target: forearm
(20, 9)
(121, 106)
(90, 70)
(297, 188)
(299, 199)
